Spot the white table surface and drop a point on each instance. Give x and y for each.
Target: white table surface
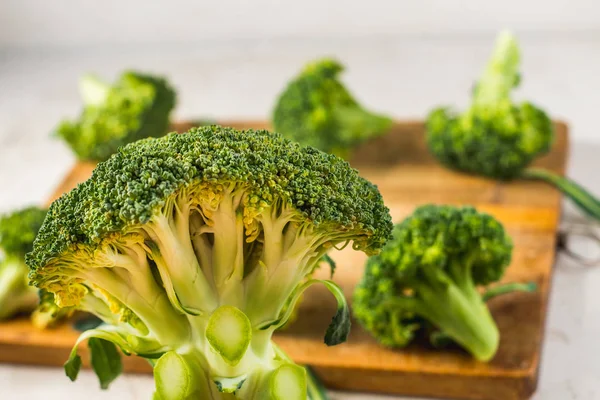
(37, 87)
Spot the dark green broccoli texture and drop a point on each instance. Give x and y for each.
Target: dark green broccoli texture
(135, 107)
(316, 109)
(428, 274)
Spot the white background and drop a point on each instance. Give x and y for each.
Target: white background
(229, 59)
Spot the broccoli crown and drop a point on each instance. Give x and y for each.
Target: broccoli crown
(194, 248)
(134, 184)
(317, 110)
(434, 249)
(135, 107)
(495, 137)
(18, 230)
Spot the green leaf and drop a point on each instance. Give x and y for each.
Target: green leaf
(105, 360)
(330, 262)
(73, 365)
(339, 328)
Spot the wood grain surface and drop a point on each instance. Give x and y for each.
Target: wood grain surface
(407, 176)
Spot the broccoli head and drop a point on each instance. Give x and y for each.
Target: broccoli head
(429, 273)
(317, 110)
(194, 248)
(17, 232)
(496, 137)
(135, 107)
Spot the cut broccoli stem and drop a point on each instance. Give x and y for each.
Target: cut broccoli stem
(180, 377)
(580, 196)
(93, 90)
(288, 382)
(316, 390)
(460, 312)
(506, 288)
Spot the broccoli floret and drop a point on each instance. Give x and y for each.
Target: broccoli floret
(317, 110)
(135, 107)
(193, 249)
(47, 314)
(497, 137)
(17, 232)
(429, 273)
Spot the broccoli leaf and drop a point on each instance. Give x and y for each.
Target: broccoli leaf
(73, 365)
(105, 360)
(339, 328)
(330, 262)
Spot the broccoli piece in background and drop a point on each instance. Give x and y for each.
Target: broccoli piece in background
(193, 250)
(496, 137)
(428, 274)
(317, 110)
(135, 107)
(17, 232)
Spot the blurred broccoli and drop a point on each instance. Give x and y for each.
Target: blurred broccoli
(317, 110)
(428, 275)
(496, 137)
(17, 232)
(135, 107)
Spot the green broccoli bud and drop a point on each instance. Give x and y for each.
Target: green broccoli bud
(194, 248)
(429, 273)
(135, 107)
(17, 232)
(497, 137)
(317, 110)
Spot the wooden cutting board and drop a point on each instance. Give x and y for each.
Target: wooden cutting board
(407, 176)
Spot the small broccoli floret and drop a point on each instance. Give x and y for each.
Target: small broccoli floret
(497, 137)
(317, 110)
(17, 232)
(494, 137)
(428, 274)
(47, 314)
(135, 107)
(194, 248)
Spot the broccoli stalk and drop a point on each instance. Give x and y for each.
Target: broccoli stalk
(428, 275)
(498, 138)
(451, 301)
(194, 248)
(135, 107)
(17, 232)
(317, 110)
